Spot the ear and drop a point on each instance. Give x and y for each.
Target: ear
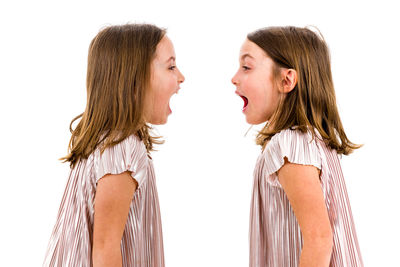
(289, 80)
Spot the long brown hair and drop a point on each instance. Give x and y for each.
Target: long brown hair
(117, 84)
(312, 102)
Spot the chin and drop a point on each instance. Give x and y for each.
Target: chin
(159, 121)
(254, 121)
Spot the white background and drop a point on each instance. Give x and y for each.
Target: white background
(204, 169)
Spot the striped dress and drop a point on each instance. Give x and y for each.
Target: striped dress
(275, 236)
(141, 245)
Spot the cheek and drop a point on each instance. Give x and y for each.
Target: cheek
(161, 92)
(162, 98)
(254, 90)
(167, 84)
(172, 85)
(263, 87)
(263, 98)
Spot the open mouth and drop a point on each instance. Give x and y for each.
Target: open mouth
(246, 102)
(171, 99)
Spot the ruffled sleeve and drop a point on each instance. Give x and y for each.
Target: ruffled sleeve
(128, 155)
(297, 147)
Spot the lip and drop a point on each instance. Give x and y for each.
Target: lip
(245, 99)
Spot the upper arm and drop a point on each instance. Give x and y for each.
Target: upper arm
(303, 189)
(113, 197)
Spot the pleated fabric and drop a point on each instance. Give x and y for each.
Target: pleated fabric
(275, 236)
(142, 244)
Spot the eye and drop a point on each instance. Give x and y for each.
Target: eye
(172, 68)
(245, 68)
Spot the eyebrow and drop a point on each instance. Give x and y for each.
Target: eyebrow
(173, 58)
(246, 55)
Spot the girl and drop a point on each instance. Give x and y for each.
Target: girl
(300, 212)
(109, 214)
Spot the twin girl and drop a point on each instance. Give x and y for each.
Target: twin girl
(300, 213)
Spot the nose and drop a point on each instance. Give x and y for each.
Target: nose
(181, 78)
(234, 80)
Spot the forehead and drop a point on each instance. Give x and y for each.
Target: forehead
(165, 49)
(251, 50)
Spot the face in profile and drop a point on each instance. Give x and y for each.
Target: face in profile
(255, 84)
(165, 81)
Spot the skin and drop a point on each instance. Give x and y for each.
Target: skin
(114, 193)
(254, 80)
(301, 183)
(302, 186)
(165, 81)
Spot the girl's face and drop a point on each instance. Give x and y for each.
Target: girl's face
(165, 81)
(255, 84)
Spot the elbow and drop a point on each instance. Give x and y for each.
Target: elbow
(106, 255)
(105, 247)
(320, 241)
(317, 249)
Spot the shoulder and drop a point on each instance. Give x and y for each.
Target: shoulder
(292, 138)
(128, 155)
(293, 134)
(131, 144)
(135, 143)
(294, 145)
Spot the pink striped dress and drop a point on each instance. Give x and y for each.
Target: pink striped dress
(275, 236)
(141, 245)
